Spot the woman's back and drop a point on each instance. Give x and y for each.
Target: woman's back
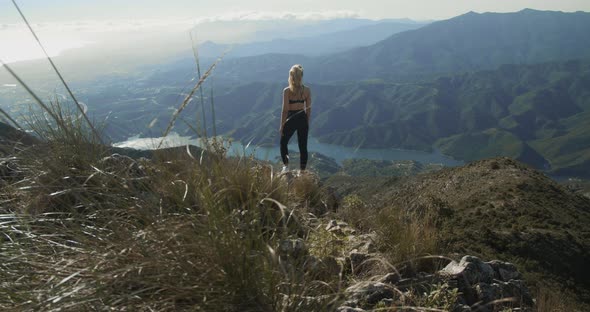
(296, 100)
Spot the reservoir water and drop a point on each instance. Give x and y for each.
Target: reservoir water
(339, 153)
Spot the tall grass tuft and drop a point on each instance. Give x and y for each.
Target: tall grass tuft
(407, 237)
(58, 73)
(97, 231)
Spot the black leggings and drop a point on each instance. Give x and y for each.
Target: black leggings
(296, 121)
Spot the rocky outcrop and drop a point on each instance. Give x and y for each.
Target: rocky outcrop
(467, 285)
(482, 283)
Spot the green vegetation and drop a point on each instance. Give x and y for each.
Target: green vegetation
(490, 143)
(365, 167)
(534, 113)
(483, 144)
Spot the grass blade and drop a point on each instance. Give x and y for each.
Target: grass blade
(35, 97)
(196, 54)
(188, 98)
(58, 73)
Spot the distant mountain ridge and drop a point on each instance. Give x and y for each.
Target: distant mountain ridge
(313, 45)
(465, 43)
(475, 41)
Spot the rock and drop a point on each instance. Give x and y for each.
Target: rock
(323, 268)
(471, 269)
(462, 308)
(370, 292)
(357, 262)
(504, 271)
(481, 282)
(349, 309)
(339, 228)
(487, 293)
(390, 278)
(516, 289)
(364, 243)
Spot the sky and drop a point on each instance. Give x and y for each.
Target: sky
(59, 10)
(71, 24)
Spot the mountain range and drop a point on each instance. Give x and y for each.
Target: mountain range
(312, 44)
(538, 114)
(465, 43)
(474, 86)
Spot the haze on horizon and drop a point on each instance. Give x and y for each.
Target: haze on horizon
(75, 10)
(155, 25)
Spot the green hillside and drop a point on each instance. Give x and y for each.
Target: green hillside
(535, 113)
(490, 143)
(569, 151)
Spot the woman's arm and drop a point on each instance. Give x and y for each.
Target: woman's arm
(284, 110)
(308, 105)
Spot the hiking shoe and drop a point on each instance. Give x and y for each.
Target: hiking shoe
(285, 169)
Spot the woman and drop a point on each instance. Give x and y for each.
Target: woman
(295, 116)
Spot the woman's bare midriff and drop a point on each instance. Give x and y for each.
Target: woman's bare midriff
(296, 106)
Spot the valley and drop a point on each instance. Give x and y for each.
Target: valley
(474, 86)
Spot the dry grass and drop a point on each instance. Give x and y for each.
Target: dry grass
(88, 231)
(552, 300)
(407, 237)
(403, 235)
(356, 212)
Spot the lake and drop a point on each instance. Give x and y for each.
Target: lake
(339, 153)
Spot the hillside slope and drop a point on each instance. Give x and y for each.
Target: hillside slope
(500, 208)
(538, 114)
(11, 139)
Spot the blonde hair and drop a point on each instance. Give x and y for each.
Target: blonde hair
(295, 78)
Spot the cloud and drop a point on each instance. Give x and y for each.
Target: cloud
(175, 24)
(275, 16)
